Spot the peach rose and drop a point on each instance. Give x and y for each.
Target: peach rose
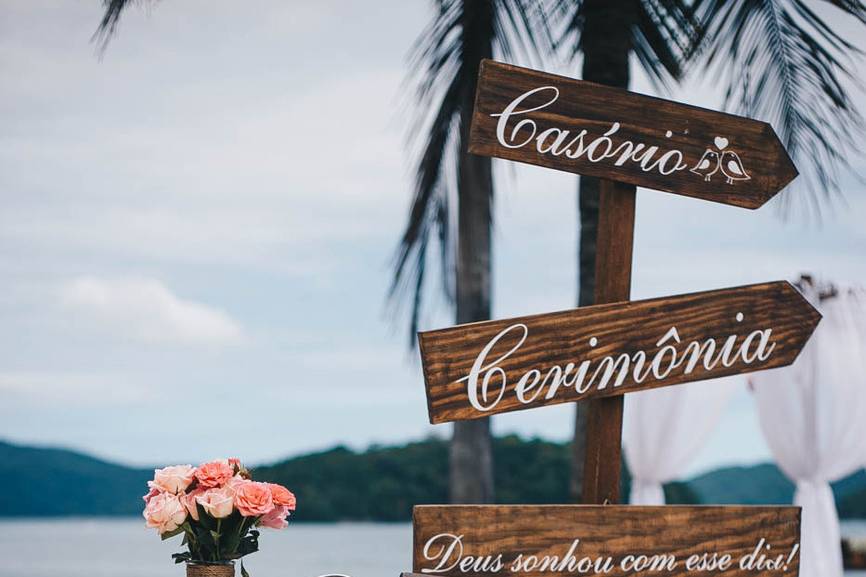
(253, 499)
(214, 474)
(164, 512)
(173, 479)
(275, 518)
(188, 500)
(218, 503)
(282, 497)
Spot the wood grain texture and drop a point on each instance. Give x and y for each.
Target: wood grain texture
(615, 531)
(614, 244)
(557, 339)
(695, 132)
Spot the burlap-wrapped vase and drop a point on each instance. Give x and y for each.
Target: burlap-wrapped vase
(210, 570)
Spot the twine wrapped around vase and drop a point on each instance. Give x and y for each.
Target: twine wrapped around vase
(205, 570)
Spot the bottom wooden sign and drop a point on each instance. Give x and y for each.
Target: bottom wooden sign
(605, 540)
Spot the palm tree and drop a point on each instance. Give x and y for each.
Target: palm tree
(781, 62)
(452, 185)
(661, 34)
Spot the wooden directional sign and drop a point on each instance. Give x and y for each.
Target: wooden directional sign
(540, 541)
(596, 130)
(479, 369)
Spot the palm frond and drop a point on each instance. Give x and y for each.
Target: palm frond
(111, 18)
(663, 35)
(784, 64)
(444, 65)
(853, 8)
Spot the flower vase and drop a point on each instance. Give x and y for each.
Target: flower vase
(199, 569)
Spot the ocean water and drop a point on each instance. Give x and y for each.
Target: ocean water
(124, 548)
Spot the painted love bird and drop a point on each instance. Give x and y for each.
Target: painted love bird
(708, 165)
(732, 167)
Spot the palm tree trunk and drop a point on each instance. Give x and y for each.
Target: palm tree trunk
(471, 455)
(606, 47)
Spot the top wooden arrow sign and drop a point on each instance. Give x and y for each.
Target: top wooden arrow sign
(596, 130)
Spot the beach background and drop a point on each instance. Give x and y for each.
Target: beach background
(197, 234)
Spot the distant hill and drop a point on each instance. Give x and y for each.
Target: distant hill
(380, 484)
(383, 483)
(766, 484)
(853, 505)
(760, 484)
(39, 482)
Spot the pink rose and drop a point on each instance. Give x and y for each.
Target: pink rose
(234, 482)
(214, 474)
(173, 479)
(282, 497)
(253, 499)
(164, 512)
(235, 462)
(188, 500)
(218, 503)
(151, 494)
(275, 518)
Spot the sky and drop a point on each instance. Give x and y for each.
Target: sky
(198, 226)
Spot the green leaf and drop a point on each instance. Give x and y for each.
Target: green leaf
(243, 570)
(170, 534)
(230, 541)
(206, 542)
(204, 518)
(249, 544)
(181, 557)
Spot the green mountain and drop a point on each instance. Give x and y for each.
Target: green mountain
(853, 505)
(760, 484)
(42, 482)
(383, 483)
(380, 484)
(766, 484)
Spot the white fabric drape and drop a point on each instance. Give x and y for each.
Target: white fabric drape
(665, 428)
(813, 415)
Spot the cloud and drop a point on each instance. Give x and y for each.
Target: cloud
(145, 310)
(69, 389)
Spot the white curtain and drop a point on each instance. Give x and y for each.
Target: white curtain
(665, 428)
(813, 415)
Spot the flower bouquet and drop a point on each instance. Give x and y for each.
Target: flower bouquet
(218, 508)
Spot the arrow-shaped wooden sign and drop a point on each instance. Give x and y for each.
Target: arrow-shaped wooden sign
(480, 369)
(619, 541)
(586, 128)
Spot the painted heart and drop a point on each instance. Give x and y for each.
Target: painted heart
(721, 143)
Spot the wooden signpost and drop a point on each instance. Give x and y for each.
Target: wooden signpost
(550, 540)
(597, 130)
(597, 354)
(484, 368)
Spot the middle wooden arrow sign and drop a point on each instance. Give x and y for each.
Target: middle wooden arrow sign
(480, 369)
